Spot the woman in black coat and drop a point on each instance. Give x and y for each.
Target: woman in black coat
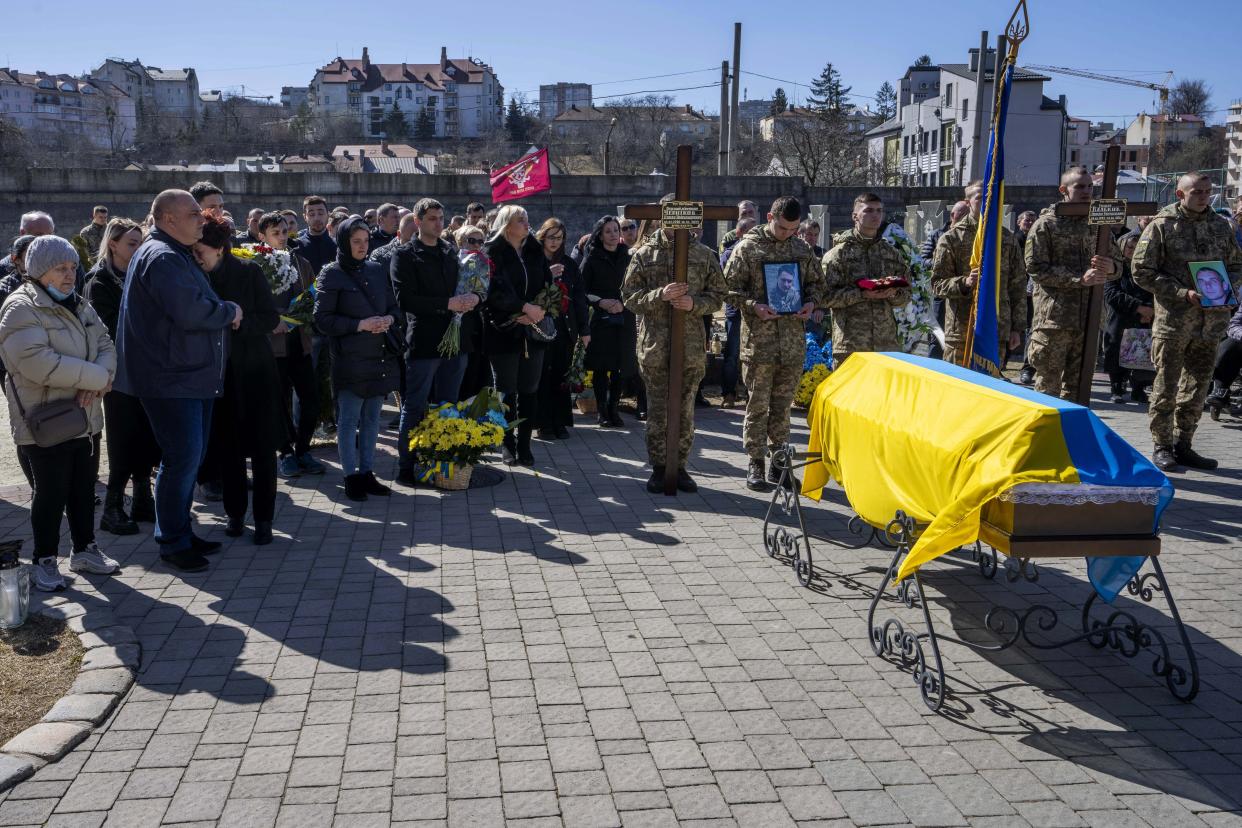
(519, 272)
(1129, 307)
(357, 310)
(248, 420)
(556, 412)
(132, 450)
(612, 355)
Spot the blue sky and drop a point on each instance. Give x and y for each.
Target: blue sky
(609, 44)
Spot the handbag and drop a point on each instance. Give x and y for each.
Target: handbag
(1135, 352)
(543, 331)
(54, 423)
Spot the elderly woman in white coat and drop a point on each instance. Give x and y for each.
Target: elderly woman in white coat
(56, 348)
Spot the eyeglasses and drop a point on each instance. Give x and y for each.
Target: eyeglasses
(474, 240)
(629, 227)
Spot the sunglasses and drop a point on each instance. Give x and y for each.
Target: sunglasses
(629, 227)
(474, 240)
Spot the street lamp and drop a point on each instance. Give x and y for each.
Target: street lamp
(608, 146)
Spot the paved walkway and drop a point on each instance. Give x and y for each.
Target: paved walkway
(565, 649)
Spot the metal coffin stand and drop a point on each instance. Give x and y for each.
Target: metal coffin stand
(905, 645)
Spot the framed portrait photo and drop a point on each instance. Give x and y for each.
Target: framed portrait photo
(784, 285)
(1212, 284)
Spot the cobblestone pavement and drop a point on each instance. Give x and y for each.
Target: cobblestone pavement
(565, 649)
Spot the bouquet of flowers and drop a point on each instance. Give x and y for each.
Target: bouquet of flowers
(302, 309)
(549, 299)
(576, 376)
(474, 276)
(915, 320)
(817, 354)
(277, 265)
(453, 437)
(807, 385)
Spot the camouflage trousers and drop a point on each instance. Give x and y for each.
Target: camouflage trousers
(1056, 357)
(772, 388)
(656, 378)
(1183, 379)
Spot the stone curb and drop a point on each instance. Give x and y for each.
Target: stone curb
(107, 672)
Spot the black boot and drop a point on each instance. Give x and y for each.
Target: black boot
(262, 532)
(791, 482)
(355, 488)
(1193, 459)
(655, 483)
(142, 509)
(373, 487)
(755, 477)
(114, 519)
(685, 483)
(525, 456)
(1164, 459)
(1138, 394)
(1217, 400)
(236, 527)
(600, 384)
(1119, 392)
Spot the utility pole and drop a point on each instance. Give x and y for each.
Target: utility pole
(722, 159)
(737, 80)
(977, 149)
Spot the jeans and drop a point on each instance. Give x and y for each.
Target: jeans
(64, 478)
(357, 430)
(297, 374)
(427, 382)
(731, 367)
(181, 428)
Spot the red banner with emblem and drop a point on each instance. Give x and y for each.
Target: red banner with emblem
(526, 176)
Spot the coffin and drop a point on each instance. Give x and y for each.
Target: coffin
(1053, 520)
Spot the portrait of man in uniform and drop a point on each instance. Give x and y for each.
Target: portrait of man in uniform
(784, 286)
(1214, 288)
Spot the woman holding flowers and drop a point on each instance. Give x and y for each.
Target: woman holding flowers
(519, 287)
(356, 309)
(248, 420)
(556, 411)
(613, 353)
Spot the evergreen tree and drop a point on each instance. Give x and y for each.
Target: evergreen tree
(886, 101)
(394, 123)
(425, 126)
(827, 93)
(779, 102)
(923, 60)
(516, 123)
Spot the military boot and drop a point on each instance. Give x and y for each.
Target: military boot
(791, 482)
(755, 477)
(1187, 456)
(1164, 459)
(114, 519)
(655, 483)
(685, 483)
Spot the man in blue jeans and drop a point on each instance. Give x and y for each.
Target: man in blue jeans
(424, 275)
(172, 346)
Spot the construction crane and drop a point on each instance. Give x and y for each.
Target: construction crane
(1162, 89)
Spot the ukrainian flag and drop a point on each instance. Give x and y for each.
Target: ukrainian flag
(983, 351)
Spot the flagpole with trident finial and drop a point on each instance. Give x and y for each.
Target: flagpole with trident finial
(985, 256)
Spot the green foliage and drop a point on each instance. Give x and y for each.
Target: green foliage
(425, 126)
(827, 93)
(886, 101)
(923, 60)
(394, 122)
(516, 123)
(779, 102)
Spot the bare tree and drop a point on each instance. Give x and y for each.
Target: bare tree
(1190, 97)
(821, 148)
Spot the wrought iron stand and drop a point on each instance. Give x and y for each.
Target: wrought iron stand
(1119, 630)
(794, 544)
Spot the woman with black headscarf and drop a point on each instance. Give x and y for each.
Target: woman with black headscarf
(248, 421)
(612, 356)
(357, 310)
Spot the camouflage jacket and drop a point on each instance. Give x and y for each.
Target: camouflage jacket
(950, 268)
(650, 269)
(860, 324)
(1058, 253)
(780, 340)
(1173, 239)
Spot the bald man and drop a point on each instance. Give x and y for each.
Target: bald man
(1184, 333)
(172, 343)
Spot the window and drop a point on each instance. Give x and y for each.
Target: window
(933, 146)
(431, 100)
(965, 108)
(1073, 156)
(388, 99)
(948, 94)
(388, 87)
(1134, 155)
(905, 145)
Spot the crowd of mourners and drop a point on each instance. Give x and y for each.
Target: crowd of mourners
(169, 336)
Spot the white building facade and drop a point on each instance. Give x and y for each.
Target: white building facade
(1233, 149)
(555, 98)
(49, 106)
(168, 93)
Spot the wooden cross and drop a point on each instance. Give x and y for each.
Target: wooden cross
(680, 215)
(1105, 212)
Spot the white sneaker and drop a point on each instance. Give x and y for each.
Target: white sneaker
(47, 575)
(93, 561)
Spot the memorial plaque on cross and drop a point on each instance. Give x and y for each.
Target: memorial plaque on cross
(1105, 213)
(681, 216)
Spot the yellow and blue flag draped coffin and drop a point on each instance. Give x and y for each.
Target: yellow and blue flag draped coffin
(969, 456)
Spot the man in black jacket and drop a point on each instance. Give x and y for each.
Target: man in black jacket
(424, 276)
(386, 218)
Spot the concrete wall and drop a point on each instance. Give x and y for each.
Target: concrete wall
(69, 195)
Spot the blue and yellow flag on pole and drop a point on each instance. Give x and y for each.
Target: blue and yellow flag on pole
(983, 346)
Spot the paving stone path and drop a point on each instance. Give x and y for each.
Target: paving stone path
(565, 649)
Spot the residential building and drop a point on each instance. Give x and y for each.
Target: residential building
(1233, 149)
(555, 98)
(1143, 134)
(931, 140)
(462, 95)
(307, 163)
(49, 106)
(292, 97)
(856, 121)
(582, 123)
(156, 92)
(382, 158)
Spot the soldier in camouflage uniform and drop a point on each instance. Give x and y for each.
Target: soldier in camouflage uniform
(1063, 265)
(954, 281)
(651, 292)
(862, 320)
(1184, 334)
(773, 346)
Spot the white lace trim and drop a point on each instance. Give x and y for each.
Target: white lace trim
(1077, 494)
